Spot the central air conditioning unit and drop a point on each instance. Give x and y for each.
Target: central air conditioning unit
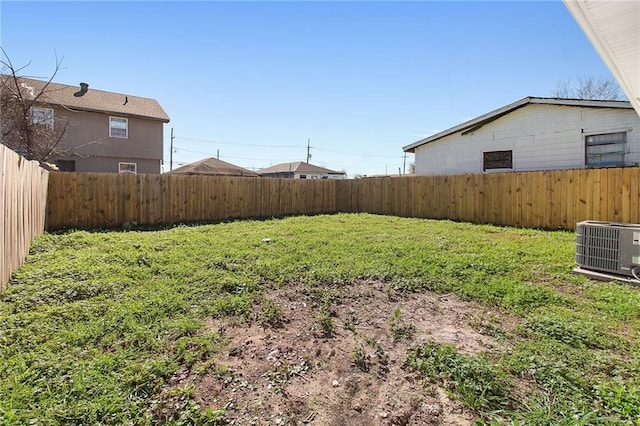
(608, 248)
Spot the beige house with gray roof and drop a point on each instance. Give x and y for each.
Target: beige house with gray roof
(106, 131)
(212, 167)
(300, 170)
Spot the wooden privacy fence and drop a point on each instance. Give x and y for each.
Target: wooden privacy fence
(96, 200)
(545, 199)
(23, 200)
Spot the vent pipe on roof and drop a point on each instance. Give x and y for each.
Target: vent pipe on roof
(84, 88)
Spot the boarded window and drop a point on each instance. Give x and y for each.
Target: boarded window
(606, 149)
(497, 160)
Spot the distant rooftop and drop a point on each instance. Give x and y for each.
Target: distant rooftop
(297, 167)
(213, 167)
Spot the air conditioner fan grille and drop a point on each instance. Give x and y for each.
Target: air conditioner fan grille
(598, 247)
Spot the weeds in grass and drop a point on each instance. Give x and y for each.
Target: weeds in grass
(399, 329)
(361, 359)
(474, 380)
(93, 325)
(325, 316)
(179, 407)
(350, 322)
(565, 327)
(271, 314)
(620, 398)
(327, 325)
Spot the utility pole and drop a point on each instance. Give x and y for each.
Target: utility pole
(404, 165)
(308, 150)
(171, 152)
(217, 154)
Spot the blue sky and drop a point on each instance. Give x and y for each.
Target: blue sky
(255, 81)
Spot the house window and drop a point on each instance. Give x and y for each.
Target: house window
(42, 117)
(127, 168)
(66, 165)
(118, 127)
(497, 160)
(303, 176)
(606, 149)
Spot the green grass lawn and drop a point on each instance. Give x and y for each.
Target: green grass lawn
(95, 323)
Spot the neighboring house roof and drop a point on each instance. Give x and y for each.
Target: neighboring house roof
(612, 27)
(213, 167)
(297, 167)
(478, 122)
(96, 100)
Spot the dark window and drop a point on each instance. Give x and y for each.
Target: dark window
(497, 160)
(303, 176)
(66, 165)
(605, 150)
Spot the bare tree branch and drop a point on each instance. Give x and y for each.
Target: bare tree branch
(586, 87)
(33, 133)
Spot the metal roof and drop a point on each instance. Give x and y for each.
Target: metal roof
(476, 123)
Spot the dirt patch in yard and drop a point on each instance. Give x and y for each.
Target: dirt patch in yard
(335, 356)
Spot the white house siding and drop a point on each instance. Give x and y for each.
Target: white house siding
(317, 176)
(541, 137)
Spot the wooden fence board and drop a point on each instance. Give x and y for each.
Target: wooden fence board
(551, 199)
(23, 202)
(634, 196)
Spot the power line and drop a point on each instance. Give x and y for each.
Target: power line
(356, 155)
(237, 144)
(280, 160)
(276, 160)
(284, 146)
(228, 156)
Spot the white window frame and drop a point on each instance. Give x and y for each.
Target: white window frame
(42, 116)
(113, 120)
(126, 167)
(607, 146)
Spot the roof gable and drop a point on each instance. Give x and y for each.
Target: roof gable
(478, 122)
(213, 167)
(95, 100)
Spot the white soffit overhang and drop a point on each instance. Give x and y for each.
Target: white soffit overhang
(613, 27)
